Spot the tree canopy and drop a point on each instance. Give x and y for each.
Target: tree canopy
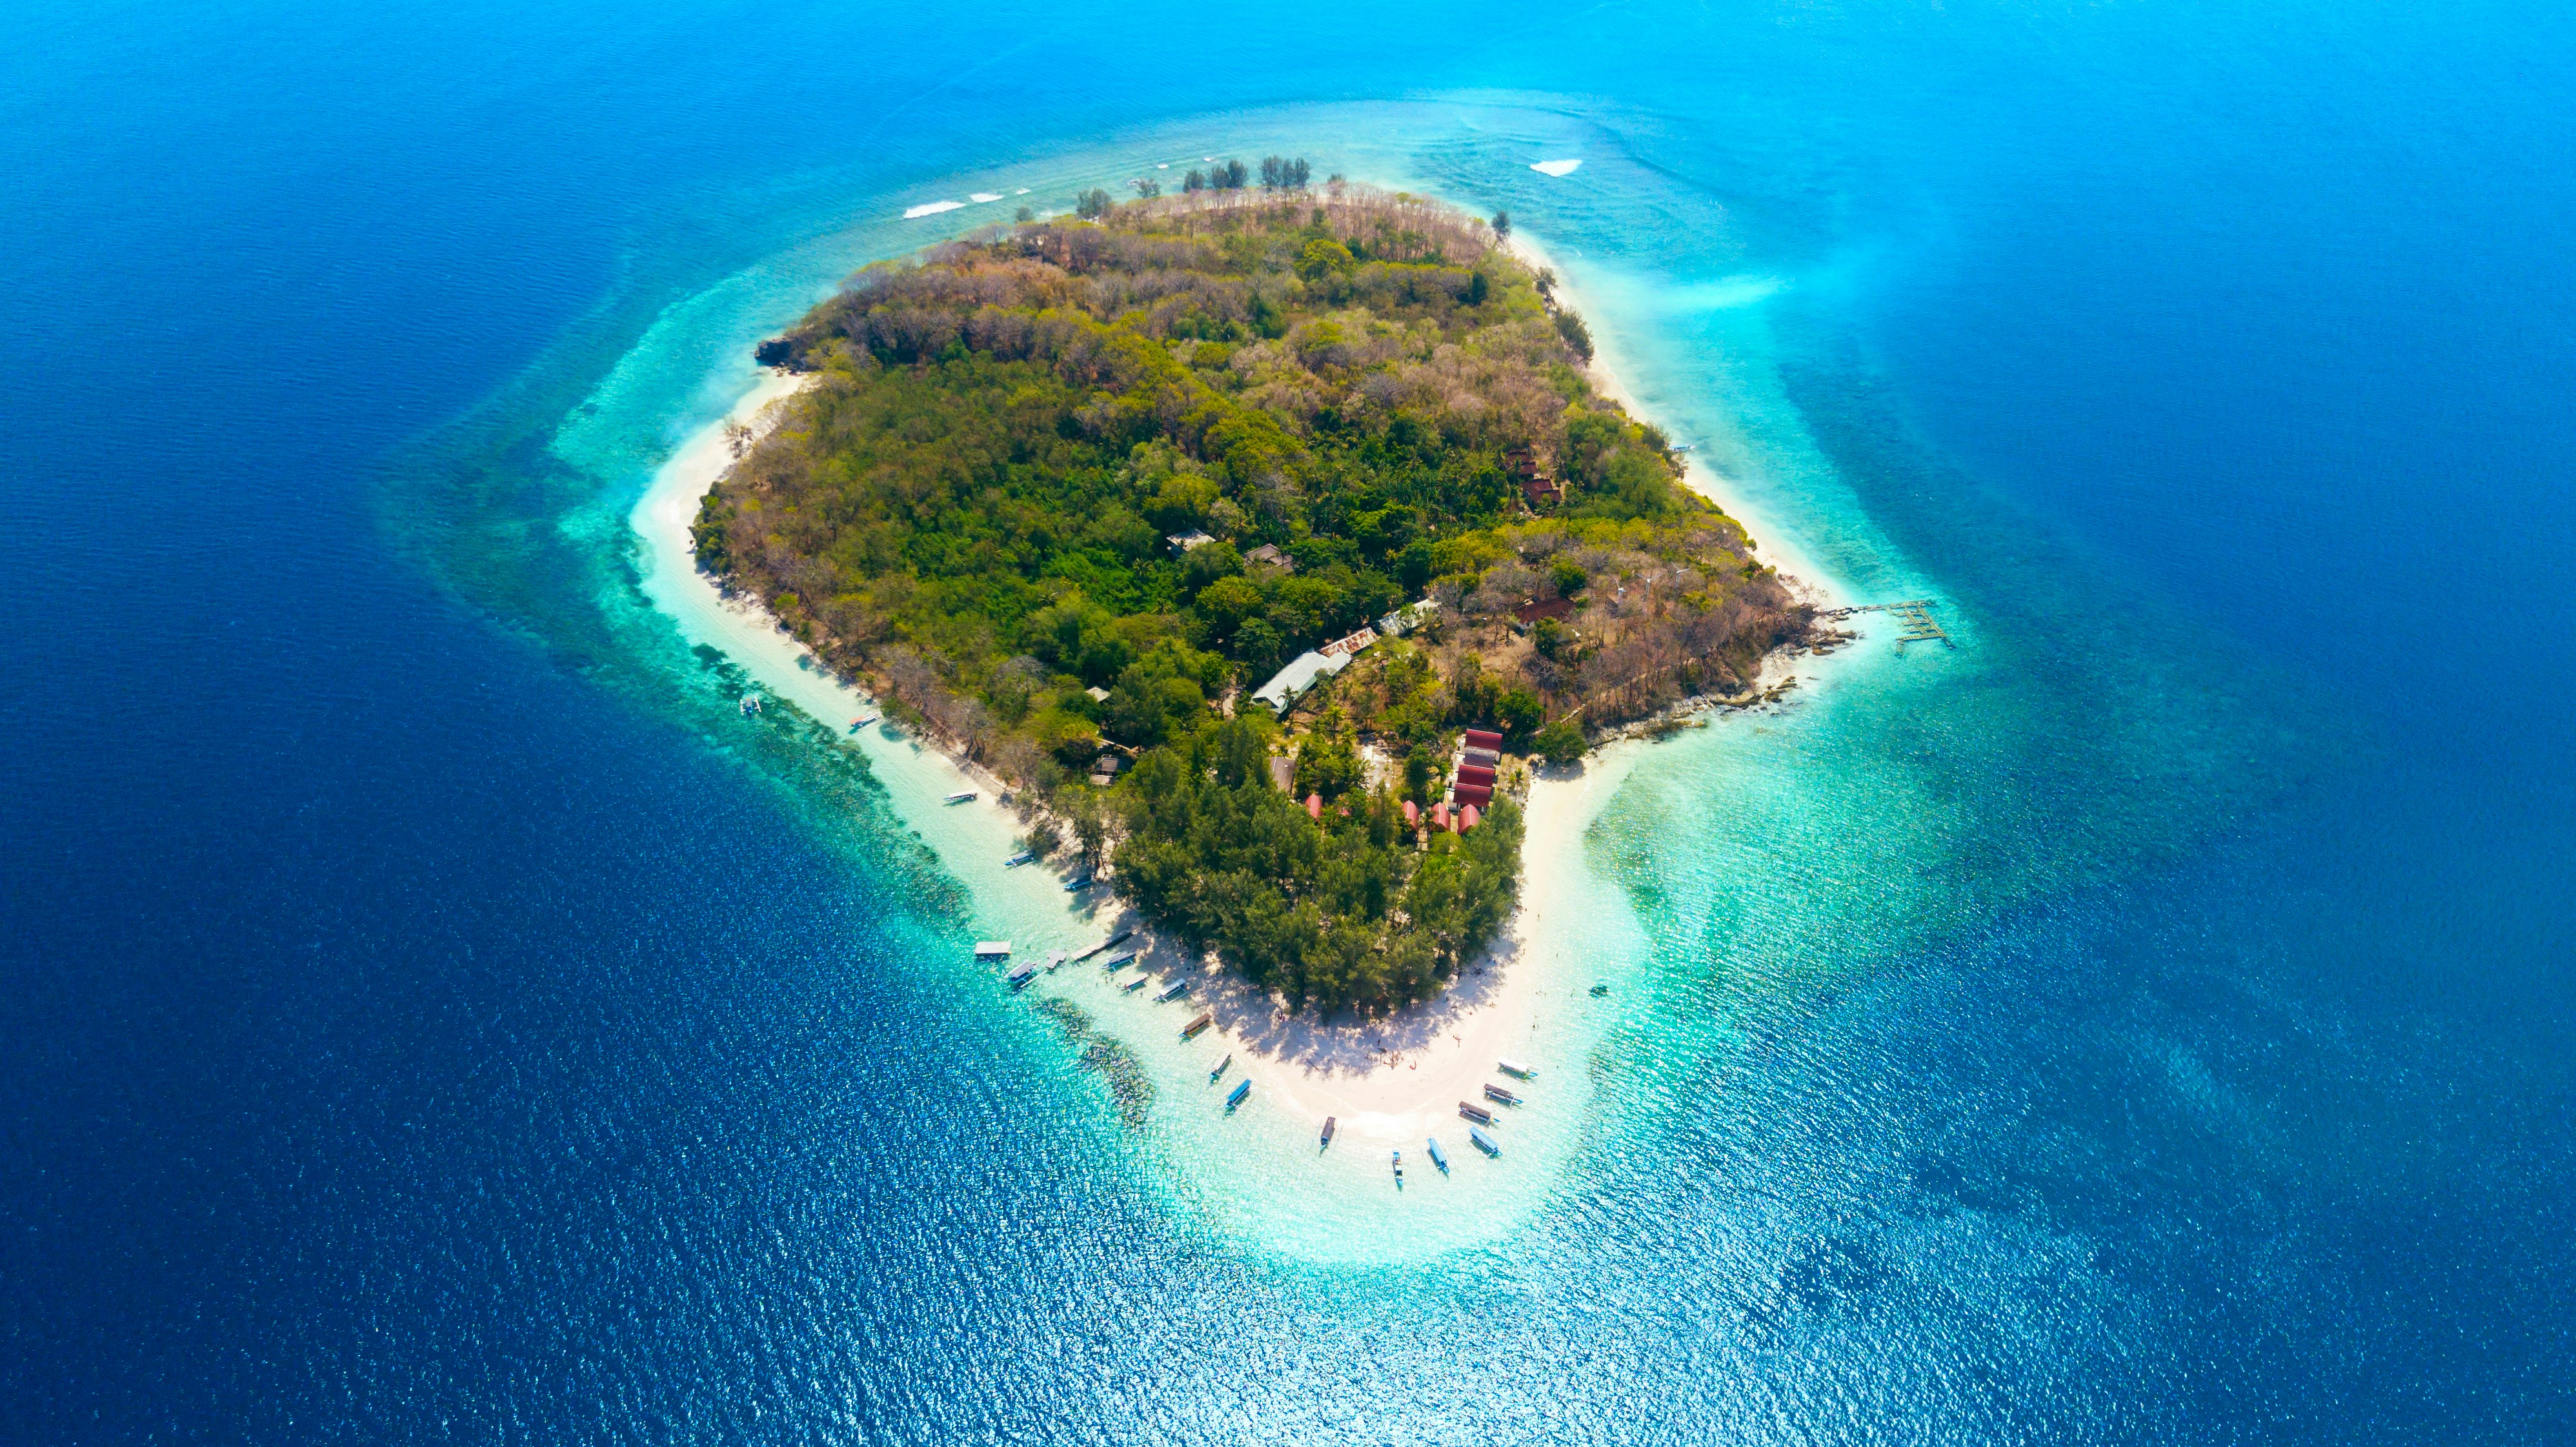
(1067, 490)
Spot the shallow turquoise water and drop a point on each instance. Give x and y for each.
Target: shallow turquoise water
(445, 1017)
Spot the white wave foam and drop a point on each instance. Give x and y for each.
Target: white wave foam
(932, 209)
(1555, 168)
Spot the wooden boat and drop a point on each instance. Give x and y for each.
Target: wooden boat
(1439, 1157)
(962, 796)
(861, 722)
(1177, 989)
(750, 704)
(1020, 977)
(1079, 885)
(1119, 962)
(1600, 990)
(1199, 1022)
(1497, 1093)
(1473, 1111)
(992, 949)
(1025, 856)
(1220, 1068)
(1483, 1141)
(1329, 1122)
(1241, 1089)
(1399, 1166)
(1138, 983)
(1514, 1067)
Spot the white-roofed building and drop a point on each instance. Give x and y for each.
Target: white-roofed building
(1301, 674)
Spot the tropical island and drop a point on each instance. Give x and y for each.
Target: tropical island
(1263, 536)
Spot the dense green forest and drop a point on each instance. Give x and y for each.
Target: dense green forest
(1067, 492)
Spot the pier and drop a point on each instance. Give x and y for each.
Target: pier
(1913, 619)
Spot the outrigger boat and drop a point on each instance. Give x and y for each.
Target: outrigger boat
(857, 724)
(1439, 1157)
(1514, 1067)
(1328, 1132)
(1025, 856)
(1220, 1069)
(1079, 885)
(962, 796)
(1241, 1089)
(1138, 983)
(1199, 1022)
(1600, 990)
(1399, 1168)
(750, 704)
(1497, 1093)
(1473, 1111)
(1119, 962)
(1483, 1141)
(1177, 989)
(992, 949)
(1020, 977)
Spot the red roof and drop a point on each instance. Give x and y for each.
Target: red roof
(1473, 794)
(1467, 819)
(1552, 608)
(1314, 806)
(1475, 774)
(1484, 738)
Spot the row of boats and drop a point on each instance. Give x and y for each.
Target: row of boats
(1478, 1116)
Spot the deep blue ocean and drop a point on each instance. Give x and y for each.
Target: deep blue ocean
(430, 1015)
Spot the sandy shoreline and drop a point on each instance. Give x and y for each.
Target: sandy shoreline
(1383, 1081)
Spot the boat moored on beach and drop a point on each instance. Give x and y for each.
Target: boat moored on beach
(861, 722)
(1077, 886)
(1514, 1067)
(1329, 1123)
(1235, 1097)
(1399, 1168)
(962, 796)
(1119, 962)
(1025, 856)
(1498, 1094)
(1199, 1022)
(992, 949)
(1472, 1111)
(1138, 983)
(1483, 1141)
(1174, 991)
(1020, 977)
(750, 704)
(1439, 1157)
(1220, 1067)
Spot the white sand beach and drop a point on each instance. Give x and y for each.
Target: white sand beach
(1387, 1083)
